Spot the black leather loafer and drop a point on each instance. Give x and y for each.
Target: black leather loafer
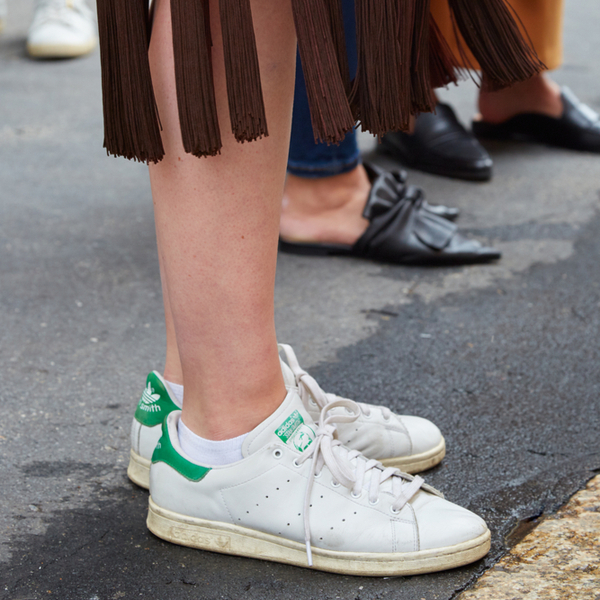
(440, 145)
(577, 129)
(402, 230)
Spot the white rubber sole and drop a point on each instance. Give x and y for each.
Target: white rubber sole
(60, 50)
(139, 469)
(225, 538)
(418, 462)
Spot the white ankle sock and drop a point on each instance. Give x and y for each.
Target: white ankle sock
(177, 391)
(209, 452)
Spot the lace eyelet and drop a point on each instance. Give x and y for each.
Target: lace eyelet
(355, 496)
(296, 464)
(335, 483)
(394, 512)
(317, 475)
(277, 453)
(312, 402)
(374, 503)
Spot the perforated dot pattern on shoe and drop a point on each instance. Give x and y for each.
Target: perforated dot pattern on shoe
(273, 502)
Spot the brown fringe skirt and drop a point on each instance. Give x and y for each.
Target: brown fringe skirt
(402, 57)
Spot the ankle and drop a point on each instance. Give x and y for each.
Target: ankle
(172, 371)
(231, 407)
(328, 209)
(536, 95)
(324, 194)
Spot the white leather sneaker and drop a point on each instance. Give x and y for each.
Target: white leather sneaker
(411, 444)
(300, 497)
(61, 29)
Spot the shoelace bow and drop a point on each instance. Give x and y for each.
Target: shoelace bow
(309, 388)
(343, 471)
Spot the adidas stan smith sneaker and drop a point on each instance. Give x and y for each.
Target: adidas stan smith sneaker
(300, 497)
(411, 444)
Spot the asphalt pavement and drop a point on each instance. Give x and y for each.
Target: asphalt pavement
(503, 357)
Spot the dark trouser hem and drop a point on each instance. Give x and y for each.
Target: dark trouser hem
(320, 170)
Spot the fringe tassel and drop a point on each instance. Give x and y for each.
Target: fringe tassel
(131, 122)
(422, 96)
(194, 77)
(493, 37)
(336, 19)
(381, 95)
(443, 65)
(244, 91)
(329, 109)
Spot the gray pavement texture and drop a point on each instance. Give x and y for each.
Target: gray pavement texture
(504, 358)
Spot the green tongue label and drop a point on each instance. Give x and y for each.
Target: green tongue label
(293, 431)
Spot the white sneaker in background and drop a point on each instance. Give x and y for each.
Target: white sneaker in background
(300, 497)
(3, 14)
(61, 29)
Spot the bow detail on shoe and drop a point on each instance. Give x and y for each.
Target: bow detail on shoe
(395, 208)
(350, 468)
(387, 189)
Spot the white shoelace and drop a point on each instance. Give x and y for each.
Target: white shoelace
(351, 475)
(309, 388)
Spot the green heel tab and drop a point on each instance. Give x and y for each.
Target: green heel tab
(164, 452)
(155, 403)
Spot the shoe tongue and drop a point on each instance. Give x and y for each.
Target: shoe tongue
(290, 424)
(288, 375)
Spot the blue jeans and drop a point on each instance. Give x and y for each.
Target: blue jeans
(306, 158)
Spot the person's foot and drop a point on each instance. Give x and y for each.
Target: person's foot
(326, 209)
(543, 113)
(61, 29)
(402, 227)
(538, 95)
(300, 497)
(412, 444)
(440, 144)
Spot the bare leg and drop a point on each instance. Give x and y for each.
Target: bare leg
(172, 371)
(217, 223)
(536, 95)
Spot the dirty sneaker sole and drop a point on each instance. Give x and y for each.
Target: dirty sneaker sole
(226, 538)
(416, 463)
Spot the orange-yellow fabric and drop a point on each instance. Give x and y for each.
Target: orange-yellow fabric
(542, 19)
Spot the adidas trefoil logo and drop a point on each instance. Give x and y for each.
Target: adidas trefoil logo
(149, 400)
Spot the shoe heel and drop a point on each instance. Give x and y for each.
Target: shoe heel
(138, 470)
